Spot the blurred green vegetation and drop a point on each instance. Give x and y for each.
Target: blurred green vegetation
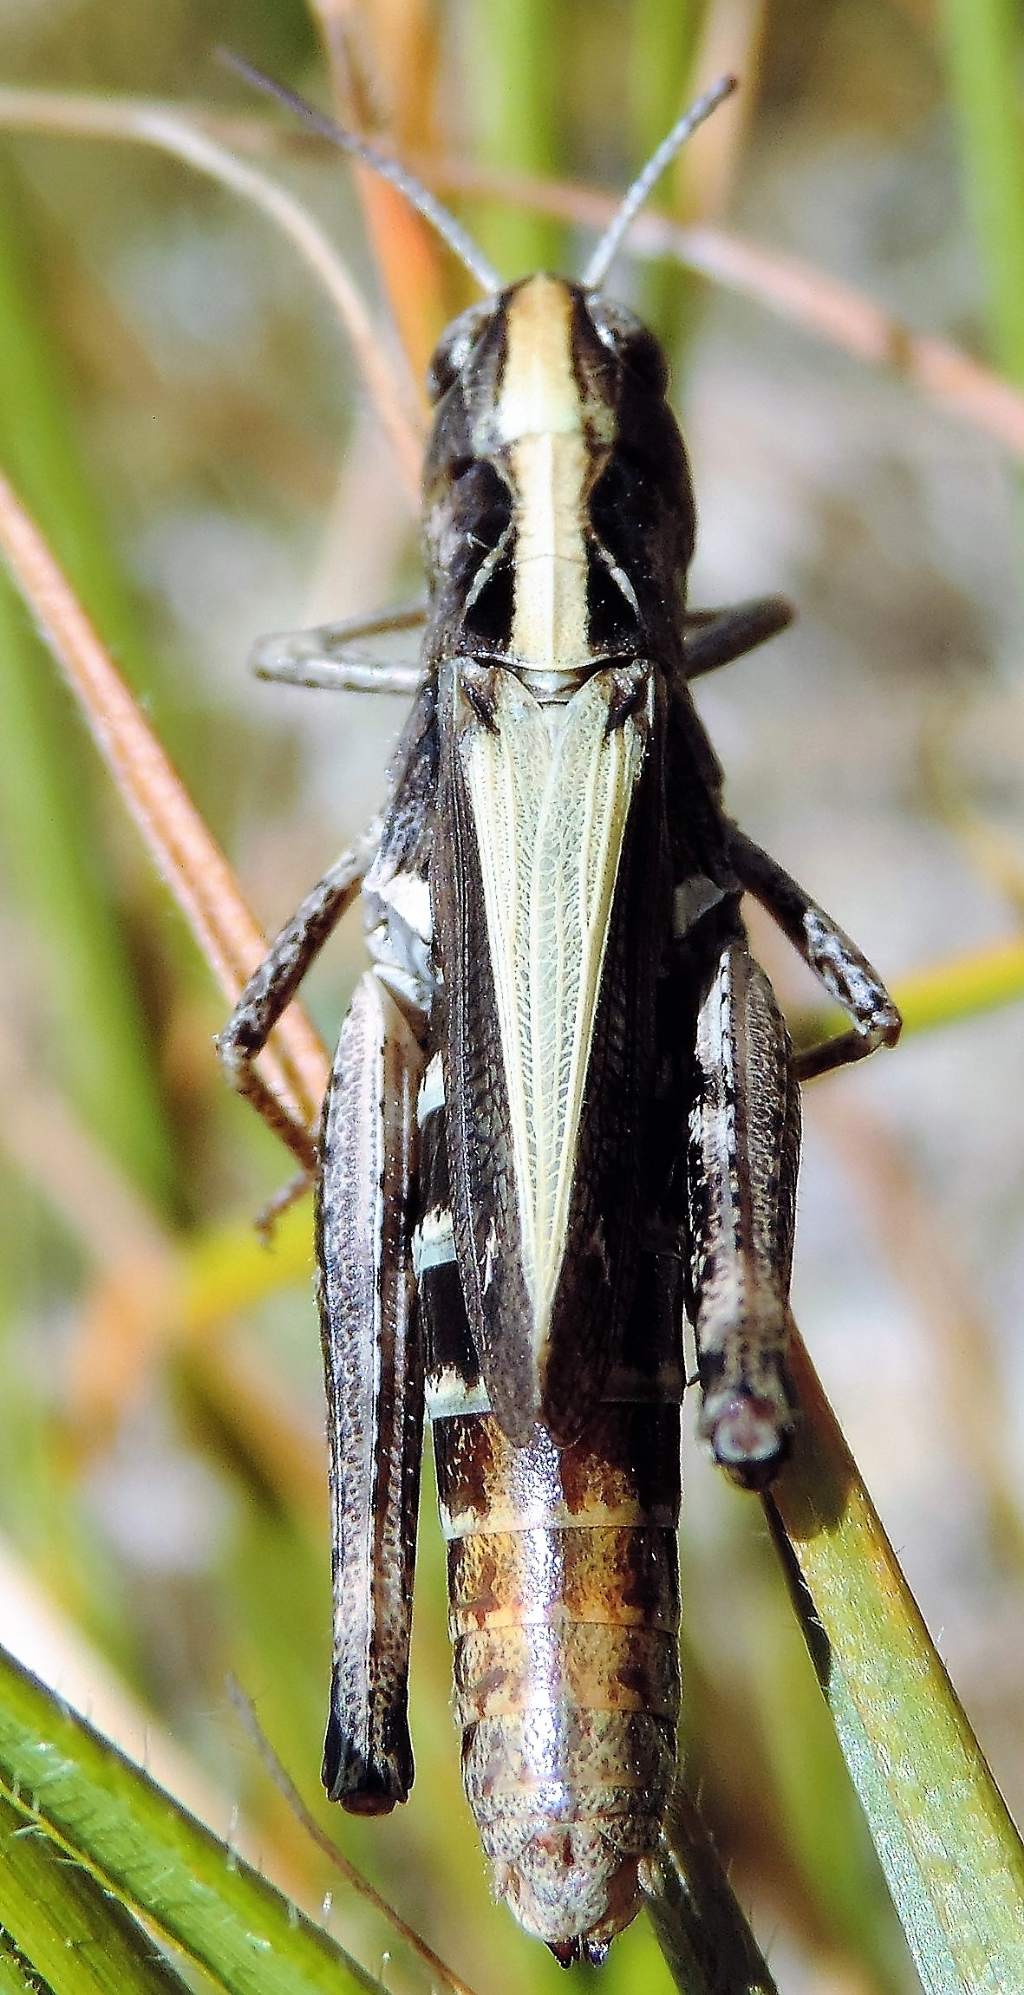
(174, 410)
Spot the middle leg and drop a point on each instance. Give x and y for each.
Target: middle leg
(273, 985)
(844, 971)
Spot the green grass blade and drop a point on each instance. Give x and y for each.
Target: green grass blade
(658, 57)
(985, 49)
(16, 1976)
(661, 50)
(154, 1857)
(57, 1918)
(821, 1822)
(963, 987)
(952, 1858)
(512, 77)
(49, 834)
(48, 820)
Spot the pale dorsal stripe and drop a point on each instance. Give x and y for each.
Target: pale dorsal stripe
(544, 423)
(550, 792)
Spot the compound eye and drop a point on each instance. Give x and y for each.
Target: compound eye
(643, 354)
(630, 341)
(453, 350)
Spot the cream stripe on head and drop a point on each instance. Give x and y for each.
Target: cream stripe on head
(547, 425)
(539, 392)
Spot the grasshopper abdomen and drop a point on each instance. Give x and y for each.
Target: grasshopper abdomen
(564, 1616)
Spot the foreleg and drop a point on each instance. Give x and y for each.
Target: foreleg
(374, 1373)
(273, 985)
(846, 974)
(744, 1144)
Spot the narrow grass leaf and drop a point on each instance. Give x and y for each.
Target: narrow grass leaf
(962, 987)
(17, 1977)
(58, 1919)
(49, 822)
(985, 49)
(952, 1856)
(822, 1827)
(512, 83)
(328, 1847)
(161, 1863)
(660, 61)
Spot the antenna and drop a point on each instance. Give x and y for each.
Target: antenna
(611, 242)
(389, 168)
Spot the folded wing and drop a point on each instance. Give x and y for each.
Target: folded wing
(546, 879)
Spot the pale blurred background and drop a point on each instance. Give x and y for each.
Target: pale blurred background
(181, 410)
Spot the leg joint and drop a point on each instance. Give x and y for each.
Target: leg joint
(236, 1047)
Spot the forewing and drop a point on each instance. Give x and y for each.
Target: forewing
(546, 879)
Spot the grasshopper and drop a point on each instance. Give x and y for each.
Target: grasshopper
(564, 1112)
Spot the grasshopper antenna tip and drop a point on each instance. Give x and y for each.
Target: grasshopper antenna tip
(383, 163)
(611, 242)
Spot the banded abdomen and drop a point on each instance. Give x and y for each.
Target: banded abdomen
(564, 1601)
